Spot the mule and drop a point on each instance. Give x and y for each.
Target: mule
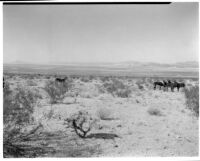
(165, 84)
(170, 85)
(178, 85)
(60, 80)
(158, 84)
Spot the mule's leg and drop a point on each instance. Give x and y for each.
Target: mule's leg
(154, 87)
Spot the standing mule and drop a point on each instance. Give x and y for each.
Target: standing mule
(178, 85)
(158, 84)
(170, 85)
(175, 85)
(61, 80)
(165, 84)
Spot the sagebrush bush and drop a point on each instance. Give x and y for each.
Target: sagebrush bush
(104, 114)
(31, 83)
(57, 90)
(140, 84)
(118, 88)
(192, 99)
(85, 79)
(123, 93)
(104, 79)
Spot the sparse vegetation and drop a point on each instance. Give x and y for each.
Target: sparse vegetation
(118, 88)
(154, 111)
(49, 114)
(56, 90)
(18, 108)
(31, 83)
(192, 99)
(123, 93)
(104, 79)
(104, 114)
(90, 126)
(140, 83)
(85, 79)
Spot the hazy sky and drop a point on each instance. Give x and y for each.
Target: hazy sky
(100, 33)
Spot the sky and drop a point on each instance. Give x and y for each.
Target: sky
(100, 33)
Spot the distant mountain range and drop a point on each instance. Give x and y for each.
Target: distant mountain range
(126, 64)
(129, 68)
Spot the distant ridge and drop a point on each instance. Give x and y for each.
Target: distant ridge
(125, 64)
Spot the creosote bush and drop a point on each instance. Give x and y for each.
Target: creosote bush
(81, 123)
(57, 90)
(118, 88)
(18, 107)
(192, 99)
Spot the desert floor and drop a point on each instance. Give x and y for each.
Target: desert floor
(129, 128)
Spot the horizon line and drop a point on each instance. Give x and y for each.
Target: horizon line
(89, 62)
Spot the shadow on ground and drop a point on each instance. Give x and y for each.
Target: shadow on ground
(56, 144)
(103, 136)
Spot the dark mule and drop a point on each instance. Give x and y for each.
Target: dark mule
(175, 84)
(181, 85)
(158, 84)
(178, 85)
(165, 84)
(170, 85)
(60, 80)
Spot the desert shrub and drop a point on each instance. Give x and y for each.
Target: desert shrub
(104, 79)
(31, 83)
(100, 88)
(118, 88)
(154, 111)
(123, 93)
(56, 90)
(81, 123)
(104, 114)
(192, 99)
(49, 114)
(85, 79)
(91, 77)
(18, 107)
(140, 83)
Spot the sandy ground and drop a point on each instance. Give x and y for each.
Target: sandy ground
(172, 133)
